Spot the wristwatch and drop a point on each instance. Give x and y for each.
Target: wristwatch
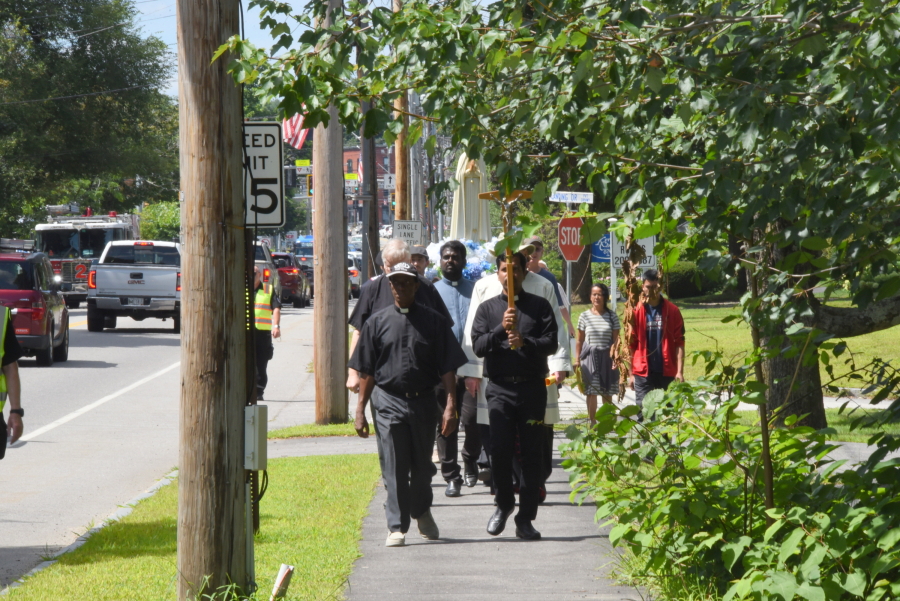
(20, 412)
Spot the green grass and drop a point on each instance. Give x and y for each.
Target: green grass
(314, 430)
(704, 331)
(840, 423)
(311, 517)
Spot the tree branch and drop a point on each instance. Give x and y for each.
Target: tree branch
(847, 322)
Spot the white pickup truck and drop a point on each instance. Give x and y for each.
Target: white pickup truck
(137, 279)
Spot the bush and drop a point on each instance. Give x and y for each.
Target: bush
(684, 491)
(686, 280)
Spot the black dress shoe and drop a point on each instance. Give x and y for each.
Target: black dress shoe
(526, 531)
(453, 488)
(498, 521)
(484, 474)
(471, 480)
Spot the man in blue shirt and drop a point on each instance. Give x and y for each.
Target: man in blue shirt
(534, 266)
(456, 292)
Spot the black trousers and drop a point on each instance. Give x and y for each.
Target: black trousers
(448, 446)
(3, 436)
(511, 407)
(645, 384)
(406, 431)
(264, 352)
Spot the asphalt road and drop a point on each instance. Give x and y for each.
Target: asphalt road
(102, 428)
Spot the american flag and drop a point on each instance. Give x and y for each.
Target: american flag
(294, 134)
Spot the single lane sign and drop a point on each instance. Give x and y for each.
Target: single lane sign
(570, 238)
(263, 174)
(408, 231)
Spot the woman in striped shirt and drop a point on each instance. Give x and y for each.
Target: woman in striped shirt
(598, 333)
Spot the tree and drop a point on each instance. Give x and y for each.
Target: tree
(80, 102)
(773, 123)
(161, 221)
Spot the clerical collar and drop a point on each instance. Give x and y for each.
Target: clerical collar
(451, 282)
(402, 310)
(505, 297)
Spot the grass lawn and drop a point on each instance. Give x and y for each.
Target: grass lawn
(311, 517)
(313, 430)
(840, 423)
(704, 331)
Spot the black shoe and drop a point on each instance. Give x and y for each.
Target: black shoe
(484, 474)
(498, 521)
(471, 475)
(259, 396)
(526, 531)
(453, 488)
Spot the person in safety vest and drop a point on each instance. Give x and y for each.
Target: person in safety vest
(267, 313)
(10, 352)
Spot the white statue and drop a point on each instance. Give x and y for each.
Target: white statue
(471, 218)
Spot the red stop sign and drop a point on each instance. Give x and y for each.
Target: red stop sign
(569, 238)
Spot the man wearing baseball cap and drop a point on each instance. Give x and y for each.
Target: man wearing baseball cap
(404, 352)
(419, 258)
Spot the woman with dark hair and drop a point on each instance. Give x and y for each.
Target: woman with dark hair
(598, 333)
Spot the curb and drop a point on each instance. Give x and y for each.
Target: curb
(115, 516)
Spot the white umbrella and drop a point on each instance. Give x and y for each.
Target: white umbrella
(471, 218)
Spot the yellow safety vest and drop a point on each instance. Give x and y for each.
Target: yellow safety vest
(262, 308)
(4, 317)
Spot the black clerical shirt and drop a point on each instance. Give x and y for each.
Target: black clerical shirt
(376, 294)
(536, 324)
(407, 352)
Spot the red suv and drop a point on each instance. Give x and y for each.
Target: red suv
(30, 289)
(294, 285)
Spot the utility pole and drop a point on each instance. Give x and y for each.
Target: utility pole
(330, 263)
(401, 105)
(212, 534)
(369, 190)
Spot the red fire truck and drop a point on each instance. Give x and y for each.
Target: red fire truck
(72, 240)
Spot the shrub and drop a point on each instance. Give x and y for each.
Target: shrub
(684, 491)
(686, 280)
(161, 221)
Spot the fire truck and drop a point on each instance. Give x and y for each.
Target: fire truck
(72, 240)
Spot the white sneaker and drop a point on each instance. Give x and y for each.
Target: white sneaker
(427, 528)
(395, 539)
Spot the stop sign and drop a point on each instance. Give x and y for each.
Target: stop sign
(570, 238)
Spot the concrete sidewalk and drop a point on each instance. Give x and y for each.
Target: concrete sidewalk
(467, 563)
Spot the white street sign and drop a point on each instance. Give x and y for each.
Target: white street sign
(291, 235)
(263, 174)
(388, 182)
(572, 197)
(304, 170)
(619, 254)
(408, 231)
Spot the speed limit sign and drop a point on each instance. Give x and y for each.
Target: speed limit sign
(263, 175)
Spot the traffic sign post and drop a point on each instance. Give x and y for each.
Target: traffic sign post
(408, 231)
(263, 175)
(619, 253)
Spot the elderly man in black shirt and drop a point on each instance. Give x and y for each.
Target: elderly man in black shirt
(404, 352)
(517, 393)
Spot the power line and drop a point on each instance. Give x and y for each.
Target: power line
(76, 95)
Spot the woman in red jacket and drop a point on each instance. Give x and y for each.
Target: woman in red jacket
(657, 342)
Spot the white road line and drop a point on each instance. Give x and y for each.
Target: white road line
(95, 404)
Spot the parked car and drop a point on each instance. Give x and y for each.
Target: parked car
(263, 259)
(136, 279)
(305, 264)
(294, 285)
(40, 317)
(353, 273)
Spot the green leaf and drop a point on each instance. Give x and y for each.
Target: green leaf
(784, 584)
(415, 132)
(685, 113)
(577, 39)
(617, 533)
(811, 592)
(654, 78)
(888, 288)
(629, 411)
(731, 552)
(697, 507)
(889, 539)
(854, 583)
(814, 243)
(692, 462)
(791, 544)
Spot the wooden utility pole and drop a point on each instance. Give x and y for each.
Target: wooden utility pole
(329, 232)
(369, 189)
(211, 509)
(401, 105)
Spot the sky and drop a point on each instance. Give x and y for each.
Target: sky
(157, 18)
